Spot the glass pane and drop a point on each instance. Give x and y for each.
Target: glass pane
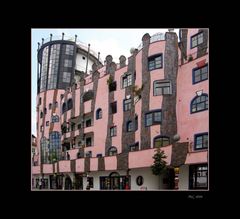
(157, 116)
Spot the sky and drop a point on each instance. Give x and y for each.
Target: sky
(115, 42)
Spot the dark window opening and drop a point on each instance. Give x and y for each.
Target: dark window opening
(88, 122)
(134, 147)
(112, 86)
(129, 126)
(198, 176)
(64, 107)
(113, 107)
(88, 141)
(87, 96)
(69, 104)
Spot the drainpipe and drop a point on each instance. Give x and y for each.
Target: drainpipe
(87, 58)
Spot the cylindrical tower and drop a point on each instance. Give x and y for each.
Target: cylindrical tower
(59, 60)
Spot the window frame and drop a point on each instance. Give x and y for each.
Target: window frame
(126, 76)
(195, 141)
(127, 106)
(111, 107)
(196, 35)
(194, 72)
(154, 121)
(161, 137)
(152, 58)
(195, 98)
(113, 131)
(115, 151)
(127, 126)
(162, 88)
(98, 111)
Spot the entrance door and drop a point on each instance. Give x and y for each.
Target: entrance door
(78, 182)
(68, 183)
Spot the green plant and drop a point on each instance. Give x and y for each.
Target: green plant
(110, 80)
(159, 164)
(190, 58)
(137, 91)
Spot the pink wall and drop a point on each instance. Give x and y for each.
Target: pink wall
(190, 124)
(110, 163)
(64, 166)
(80, 165)
(87, 106)
(119, 95)
(47, 168)
(190, 51)
(73, 153)
(146, 157)
(93, 164)
(77, 102)
(100, 125)
(197, 157)
(36, 170)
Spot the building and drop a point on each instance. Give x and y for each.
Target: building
(98, 124)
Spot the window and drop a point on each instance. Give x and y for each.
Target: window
(134, 147)
(55, 119)
(69, 104)
(89, 154)
(40, 101)
(79, 126)
(87, 96)
(126, 80)
(54, 146)
(196, 40)
(90, 181)
(112, 86)
(50, 106)
(113, 131)
(67, 63)
(127, 103)
(136, 123)
(69, 49)
(129, 126)
(200, 74)
(64, 107)
(201, 141)
(198, 176)
(199, 103)
(99, 155)
(66, 77)
(153, 118)
(112, 151)
(73, 127)
(155, 62)
(161, 88)
(45, 110)
(41, 114)
(44, 150)
(88, 141)
(88, 122)
(161, 141)
(56, 104)
(99, 113)
(113, 107)
(47, 123)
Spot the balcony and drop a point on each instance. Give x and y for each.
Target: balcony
(110, 163)
(80, 165)
(47, 168)
(64, 166)
(197, 157)
(146, 157)
(36, 170)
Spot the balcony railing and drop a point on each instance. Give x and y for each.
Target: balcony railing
(70, 38)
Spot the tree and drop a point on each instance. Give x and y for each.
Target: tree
(159, 164)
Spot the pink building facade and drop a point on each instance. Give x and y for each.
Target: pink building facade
(98, 127)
